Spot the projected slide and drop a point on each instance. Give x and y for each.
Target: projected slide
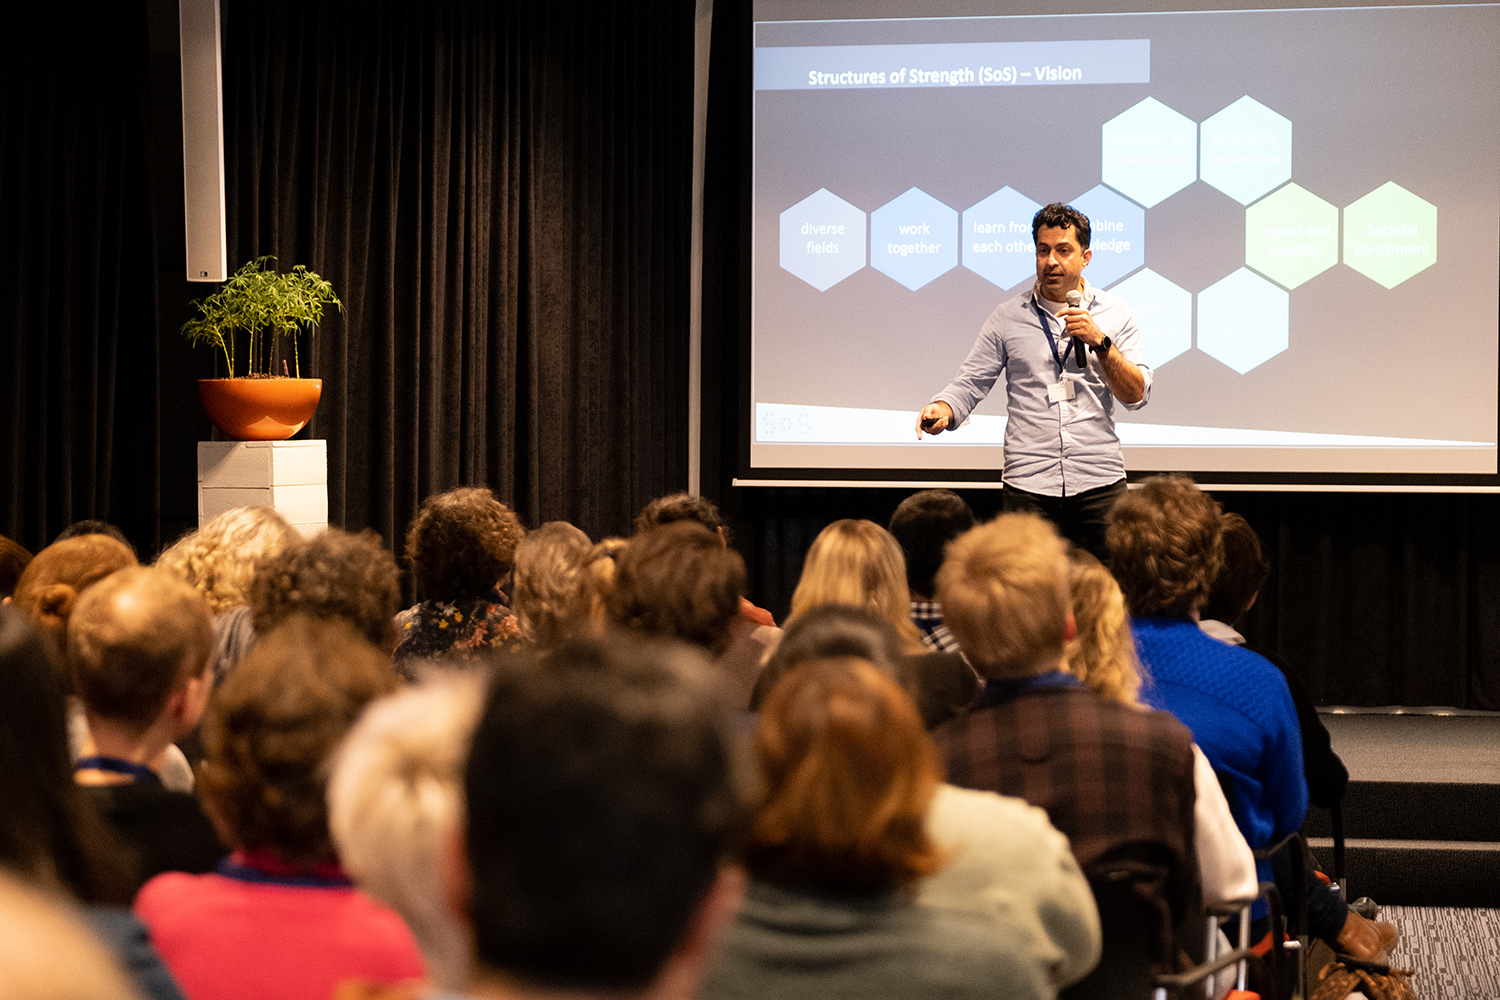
(1301, 206)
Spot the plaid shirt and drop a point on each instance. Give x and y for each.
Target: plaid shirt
(1116, 780)
(927, 616)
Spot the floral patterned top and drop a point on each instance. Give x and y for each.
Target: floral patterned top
(454, 630)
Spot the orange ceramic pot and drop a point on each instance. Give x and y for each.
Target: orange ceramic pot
(260, 409)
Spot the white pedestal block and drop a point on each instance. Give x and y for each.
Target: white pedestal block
(289, 476)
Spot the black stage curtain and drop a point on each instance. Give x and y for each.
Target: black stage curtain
(501, 195)
(78, 347)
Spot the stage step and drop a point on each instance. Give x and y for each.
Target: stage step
(1422, 813)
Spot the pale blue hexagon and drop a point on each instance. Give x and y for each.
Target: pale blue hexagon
(1243, 320)
(996, 236)
(822, 239)
(1118, 235)
(1163, 311)
(914, 238)
(1247, 150)
(1150, 152)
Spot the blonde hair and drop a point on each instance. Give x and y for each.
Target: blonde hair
(395, 795)
(857, 563)
(1004, 591)
(219, 559)
(548, 573)
(588, 616)
(1102, 654)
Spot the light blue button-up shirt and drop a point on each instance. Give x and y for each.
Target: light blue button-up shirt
(1051, 448)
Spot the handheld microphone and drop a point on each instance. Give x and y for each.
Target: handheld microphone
(1075, 299)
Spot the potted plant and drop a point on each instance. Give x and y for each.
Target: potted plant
(258, 403)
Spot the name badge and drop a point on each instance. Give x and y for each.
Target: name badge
(1060, 392)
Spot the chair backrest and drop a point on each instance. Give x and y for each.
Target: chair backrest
(1128, 922)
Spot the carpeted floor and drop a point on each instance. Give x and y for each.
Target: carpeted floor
(1454, 952)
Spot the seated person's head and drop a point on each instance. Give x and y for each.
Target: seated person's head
(219, 559)
(53, 580)
(1165, 547)
(1004, 591)
(92, 526)
(14, 558)
(1102, 653)
(923, 524)
(395, 800)
(678, 581)
(548, 576)
(138, 648)
(847, 773)
(1244, 572)
(831, 631)
(601, 808)
(680, 507)
(857, 563)
(461, 544)
(48, 951)
(271, 727)
(331, 575)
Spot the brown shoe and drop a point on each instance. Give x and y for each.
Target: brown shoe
(1367, 940)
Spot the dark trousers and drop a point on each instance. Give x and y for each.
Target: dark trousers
(1079, 518)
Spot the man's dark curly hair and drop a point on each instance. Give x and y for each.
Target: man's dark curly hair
(331, 575)
(676, 507)
(462, 543)
(678, 581)
(1060, 216)
(1165, 547)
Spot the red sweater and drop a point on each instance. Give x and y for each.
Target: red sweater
(246, 932)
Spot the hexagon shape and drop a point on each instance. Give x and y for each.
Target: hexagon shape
(1247, 150)
(1117, 235)
(1243, 320)
(1150, 152)
(997, 238)
(913, 238)
(1164, 312)
(1390, 234)
(822, 239)
(1291, 235)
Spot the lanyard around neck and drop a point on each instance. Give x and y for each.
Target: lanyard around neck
(116, 765)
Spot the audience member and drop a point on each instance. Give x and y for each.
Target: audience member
(1002, 854)
(923, 524)
(395, 799)
(1102, 655)
(679, 581)
(48, 953)
(219, 561)
(138, 648)
(686, 507)
(1117, 781)
(461, 546)
(837, 844)
(91, 526)
(332, 575)
(1233, 593)
(548, 575)
(1166, 545)
(601, 811)
(51, 836)
(53, 580)
(596, 578)
(14, 558)
(858, 563)
(936, 684)
(280, 920)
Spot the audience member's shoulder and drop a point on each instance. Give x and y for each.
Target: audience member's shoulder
(956, 812)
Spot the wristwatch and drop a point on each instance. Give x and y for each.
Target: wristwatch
(1102, 348)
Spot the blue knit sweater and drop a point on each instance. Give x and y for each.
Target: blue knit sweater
(1241, 714)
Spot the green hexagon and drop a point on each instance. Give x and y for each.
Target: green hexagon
(1390, 234)
(1291, 236)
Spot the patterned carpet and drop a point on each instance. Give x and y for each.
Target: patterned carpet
(1455, 952)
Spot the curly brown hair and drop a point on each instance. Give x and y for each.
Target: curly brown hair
(331, 575)
(676, 507)
(462, 543)
(1165, 546)
(271, 728)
